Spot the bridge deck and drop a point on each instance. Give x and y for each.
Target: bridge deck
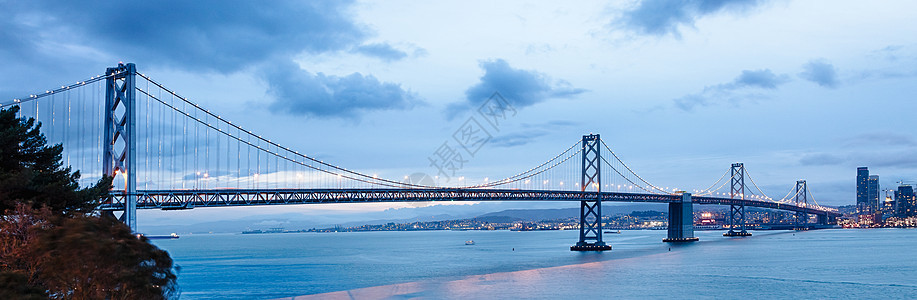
(187, 199)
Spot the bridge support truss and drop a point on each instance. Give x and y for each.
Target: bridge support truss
(119, 151)
(590, 222)
(681, 220)
(737, 212)
(802, 218)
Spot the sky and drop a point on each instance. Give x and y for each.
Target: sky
(679, 89)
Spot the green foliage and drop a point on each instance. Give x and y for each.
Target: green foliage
(52, 244)
(31, 172)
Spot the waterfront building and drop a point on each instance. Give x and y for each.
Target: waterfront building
(872, 193)
(889, 207)
(905, 201)
(862, 190)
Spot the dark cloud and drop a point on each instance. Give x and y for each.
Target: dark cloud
(300, 92)
(820, 72)
(821, 159)
(78, 40)
(520, 88)
(662, 17)
(382, 51)
(747, 86)
(190, 35)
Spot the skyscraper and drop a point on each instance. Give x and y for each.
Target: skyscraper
(872, 193)
(862, 190)
(905, 200)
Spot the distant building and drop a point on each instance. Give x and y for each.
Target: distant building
(905, 201)
(872, 193)
(887, 207)
(862, 190)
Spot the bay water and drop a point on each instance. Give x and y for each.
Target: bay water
(835, 263)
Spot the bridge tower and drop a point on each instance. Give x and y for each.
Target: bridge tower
(802, 218)
(119, 151)
(737, 211)
(590, 222)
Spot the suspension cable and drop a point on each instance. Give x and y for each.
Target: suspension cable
(756, 185)
(658, 190)
(712, 185)
(32, 97)
(519, 176)
(369, 179)
(710, 192)
(632, 171)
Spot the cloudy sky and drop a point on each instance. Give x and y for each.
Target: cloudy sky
(680, 89)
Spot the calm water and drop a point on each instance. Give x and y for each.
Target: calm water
(875, 263)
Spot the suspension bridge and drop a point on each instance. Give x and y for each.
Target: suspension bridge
(167, 152)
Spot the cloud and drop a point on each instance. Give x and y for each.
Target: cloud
(906, 158)
(193, 36)
(890, 53)
(890, 62)
(189, 35)
(821, 159)
(382, 51)
(300, 92)
(530, 133)
(759, 78)
(521, 88)
(881, 139)
(662, 17)
(820, 72)
(747, 86)
(517, 139)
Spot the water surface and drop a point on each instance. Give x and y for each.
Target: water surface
(538, 264)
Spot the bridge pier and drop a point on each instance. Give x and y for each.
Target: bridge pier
(681, 220)
(590, 217)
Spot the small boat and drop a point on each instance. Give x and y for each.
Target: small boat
(609, 231)
(469, 242)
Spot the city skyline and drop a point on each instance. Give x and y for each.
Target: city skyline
(679, 91)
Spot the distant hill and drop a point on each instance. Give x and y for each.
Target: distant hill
(561, 213)
(498, 219)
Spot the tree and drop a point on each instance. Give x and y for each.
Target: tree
(31, 172)
(99, 258)
(52, 244)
